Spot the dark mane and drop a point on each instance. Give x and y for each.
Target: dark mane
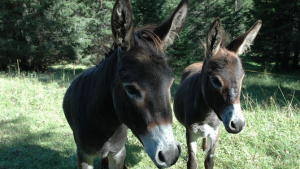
(104, 51)
(147, 35)
(146, 38)
(143, 35)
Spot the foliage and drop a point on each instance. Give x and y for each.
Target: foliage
(38, 34)
(35, 34)
(190, 47)
(148, 11)
(279, 39)
(95, 28)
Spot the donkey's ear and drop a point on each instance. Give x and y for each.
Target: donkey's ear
(170, 28)
(214, 38)
(240, 44)
(121, 24)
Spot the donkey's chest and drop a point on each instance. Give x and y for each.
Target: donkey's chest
(204, 124)
(202, 130)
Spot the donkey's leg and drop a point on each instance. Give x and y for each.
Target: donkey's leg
(85, 161)
(204, 145)
(116, 159)
(212, 142)
(104, 162)
(191, 140)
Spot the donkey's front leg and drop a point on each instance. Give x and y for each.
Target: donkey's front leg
(191, 140)
(212, 141)
(84, 160)
(116, 160)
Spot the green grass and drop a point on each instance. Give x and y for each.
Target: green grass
(35, 134)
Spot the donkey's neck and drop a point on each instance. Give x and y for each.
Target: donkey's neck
(201, 105)
(102, 105)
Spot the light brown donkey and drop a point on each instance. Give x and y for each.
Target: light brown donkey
(209, 93)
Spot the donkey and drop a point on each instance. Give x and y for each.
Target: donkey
(209, 92)
(130, 88)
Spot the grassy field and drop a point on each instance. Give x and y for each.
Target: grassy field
(35, 134)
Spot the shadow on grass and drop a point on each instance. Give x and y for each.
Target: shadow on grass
(132, 157)
(20, 155)
(266, 94)
(20, 148)
(282, 91)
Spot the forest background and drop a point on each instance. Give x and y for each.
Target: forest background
(36, 34)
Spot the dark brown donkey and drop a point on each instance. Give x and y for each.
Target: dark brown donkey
(210, 92)
(130, 88)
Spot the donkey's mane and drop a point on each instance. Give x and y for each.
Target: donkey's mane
(147, 35)
(149, 40)
(106, 52)
(144, 36)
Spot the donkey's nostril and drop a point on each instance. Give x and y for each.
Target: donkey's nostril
(161, 157)
(168, 156)
(232, 125)
(179, 150)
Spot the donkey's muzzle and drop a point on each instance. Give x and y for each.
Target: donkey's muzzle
(168, 157)
(235, 127)
(161, 145)
(233, 119)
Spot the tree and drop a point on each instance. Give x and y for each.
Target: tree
(279, 37)
(36, 33)
(148, 11)
(95, 28)
(190, 46)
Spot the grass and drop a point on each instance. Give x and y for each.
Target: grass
(35, 134)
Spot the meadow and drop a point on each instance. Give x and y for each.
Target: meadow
(35, 134)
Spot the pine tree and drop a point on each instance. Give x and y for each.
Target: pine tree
(190, 46)
(36, 34)
(148, 11)
(279, 36)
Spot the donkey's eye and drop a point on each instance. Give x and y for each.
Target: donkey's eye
(132, 91)
(216, 82)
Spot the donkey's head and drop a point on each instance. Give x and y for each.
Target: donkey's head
(223, 74)
(141, 92)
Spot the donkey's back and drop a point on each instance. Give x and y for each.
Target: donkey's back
(183, 98)
(191, 70)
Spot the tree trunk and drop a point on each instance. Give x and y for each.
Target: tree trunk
(295, 57)
(285, 59)
(277, 59)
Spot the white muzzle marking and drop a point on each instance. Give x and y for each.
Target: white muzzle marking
(157, 139)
